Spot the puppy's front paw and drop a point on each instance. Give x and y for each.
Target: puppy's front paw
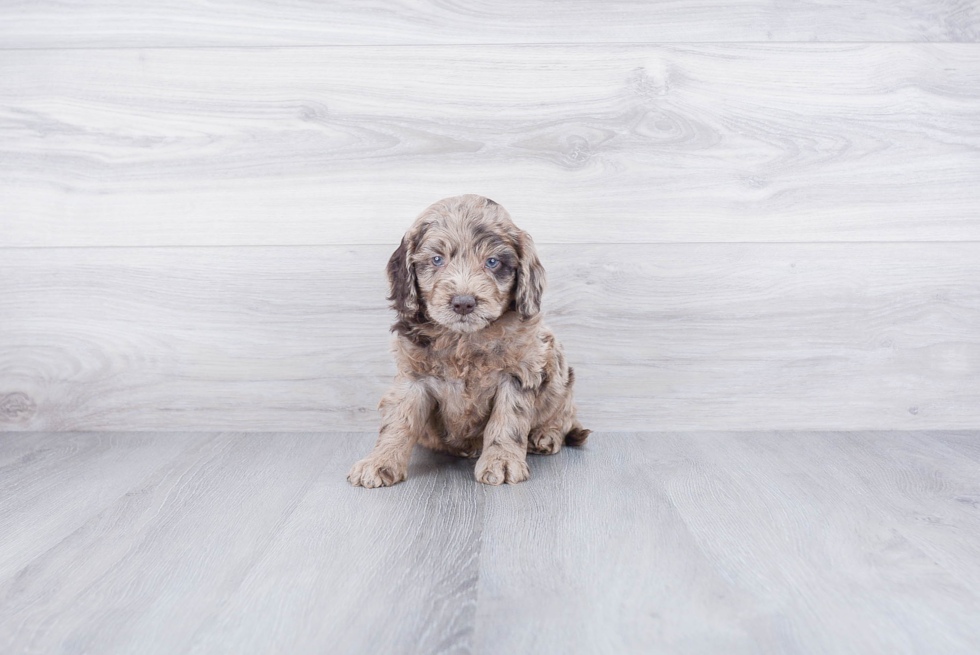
(495, 467)
(371, 473)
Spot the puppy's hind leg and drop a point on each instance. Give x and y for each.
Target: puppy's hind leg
(546, 439)
(577, 436)
(561, 429)
(405, 411)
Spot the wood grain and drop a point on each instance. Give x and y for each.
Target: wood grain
(243, 526)
(361, 572)
(40, 478)
(583, 144)
(735, 543)
(680, 542)
(384, 22)
(684, 336)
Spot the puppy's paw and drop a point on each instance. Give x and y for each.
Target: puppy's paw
(495, 467)
(372, 473)
(544, 443)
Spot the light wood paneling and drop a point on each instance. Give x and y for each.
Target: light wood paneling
(747, 336)
(583, 144)
(637, 543)
(144, 23)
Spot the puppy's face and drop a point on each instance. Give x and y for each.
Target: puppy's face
(466, 273)
(463, 264)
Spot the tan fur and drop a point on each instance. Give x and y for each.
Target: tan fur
(492, 383)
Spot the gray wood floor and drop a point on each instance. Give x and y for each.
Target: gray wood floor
(671, 542)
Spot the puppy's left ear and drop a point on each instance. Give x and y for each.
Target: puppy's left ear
(530, 283)
(401, 281)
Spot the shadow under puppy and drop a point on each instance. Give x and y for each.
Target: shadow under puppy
(479, 373)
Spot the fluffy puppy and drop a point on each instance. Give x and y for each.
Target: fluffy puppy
(479, 373)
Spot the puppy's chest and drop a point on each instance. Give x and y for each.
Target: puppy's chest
(469, 377)
(465, 383)
(463, 407)
(469, 365)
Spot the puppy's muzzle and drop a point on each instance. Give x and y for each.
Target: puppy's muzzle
(463, 305)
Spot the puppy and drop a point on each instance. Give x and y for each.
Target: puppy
(479, 373)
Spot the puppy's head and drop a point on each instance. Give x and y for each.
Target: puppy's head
(463, 264)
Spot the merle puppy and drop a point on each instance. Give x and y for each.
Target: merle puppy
(479, 373)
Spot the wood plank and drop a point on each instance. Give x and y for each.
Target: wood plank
(680, 542)
(59, 483)
(254, 540)
(936, 489)
(735, 543)
(967, 444)
(172, 547)
(261, 22)
(685, 336)
(590, 555)
(364, 571)
(613, 144)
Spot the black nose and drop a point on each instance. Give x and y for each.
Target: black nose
(463, 305)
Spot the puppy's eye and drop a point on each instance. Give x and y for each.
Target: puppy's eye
(493, 262)
(438, 261)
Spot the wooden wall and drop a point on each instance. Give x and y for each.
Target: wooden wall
(753, 215)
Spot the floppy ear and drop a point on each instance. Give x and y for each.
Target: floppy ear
(530, 282)
(402, 282)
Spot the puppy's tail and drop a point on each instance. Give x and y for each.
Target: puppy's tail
(577, 436)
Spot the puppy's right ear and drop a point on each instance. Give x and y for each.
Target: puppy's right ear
(402, 282)
(530, 281)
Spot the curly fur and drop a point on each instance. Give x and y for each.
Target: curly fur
(492, 383)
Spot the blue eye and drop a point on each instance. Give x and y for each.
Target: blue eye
(493, 262)
(438, 261)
